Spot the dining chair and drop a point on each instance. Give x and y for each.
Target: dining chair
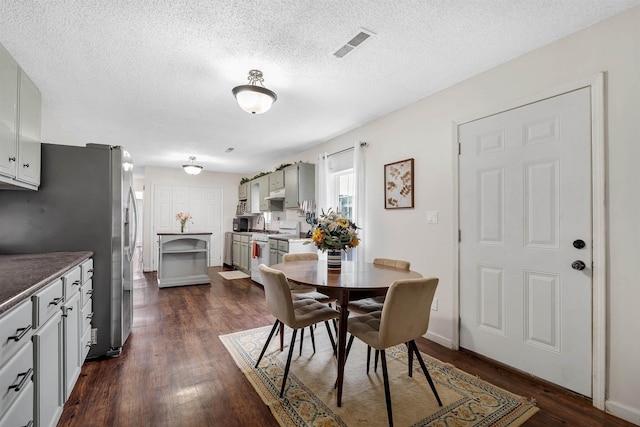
(300, 291)
(369, 305)
(403, 318)
(295, 314)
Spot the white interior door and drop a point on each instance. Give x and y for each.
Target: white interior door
(205, 206)
(525, 205)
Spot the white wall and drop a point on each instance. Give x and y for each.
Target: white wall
(423, 131)
(174, 176)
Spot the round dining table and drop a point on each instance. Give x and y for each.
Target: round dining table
(355, 280)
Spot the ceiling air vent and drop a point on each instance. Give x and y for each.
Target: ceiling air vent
(353, 43)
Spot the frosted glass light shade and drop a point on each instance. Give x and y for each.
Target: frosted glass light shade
(254, 99)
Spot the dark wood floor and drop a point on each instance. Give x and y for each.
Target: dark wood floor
(174, 371)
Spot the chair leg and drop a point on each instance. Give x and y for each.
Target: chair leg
(275, 326)
(301, 338)
(313, 338)
(333, 343)
(368, 357)
(286, 368)
(410, 359)
(281, 336)
(387, 391)
(424, 369)
(375, 363)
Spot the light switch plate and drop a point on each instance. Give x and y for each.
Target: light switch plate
(432, 217)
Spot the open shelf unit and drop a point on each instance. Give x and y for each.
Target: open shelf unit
(183, 259)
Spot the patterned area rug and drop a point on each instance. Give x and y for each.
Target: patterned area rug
(310, 397)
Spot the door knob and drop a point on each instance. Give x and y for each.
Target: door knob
(579, 244)
(578, 265)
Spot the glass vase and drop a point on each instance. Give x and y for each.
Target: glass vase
(334, 260)
(183, 227)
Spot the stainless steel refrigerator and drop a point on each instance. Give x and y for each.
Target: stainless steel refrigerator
(85, 202)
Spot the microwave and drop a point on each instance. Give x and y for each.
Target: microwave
(240, 224)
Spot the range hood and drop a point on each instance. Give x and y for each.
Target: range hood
(276, 194)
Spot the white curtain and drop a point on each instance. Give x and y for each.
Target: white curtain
(360, 190)
(322, 179)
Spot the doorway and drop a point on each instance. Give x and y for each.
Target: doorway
(521, 213)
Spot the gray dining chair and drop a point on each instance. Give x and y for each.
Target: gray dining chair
(301, 291)
(295, 314)
(403, 318)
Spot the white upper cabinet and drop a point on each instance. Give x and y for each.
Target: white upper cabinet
(20, 124)
(8, 113)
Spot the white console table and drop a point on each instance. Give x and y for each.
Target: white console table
(183, 259)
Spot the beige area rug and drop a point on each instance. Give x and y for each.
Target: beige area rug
(230, 275)
(310, 398)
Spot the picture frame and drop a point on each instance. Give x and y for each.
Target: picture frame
(398, 185)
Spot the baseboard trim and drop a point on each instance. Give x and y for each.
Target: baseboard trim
(623, 411)
(443, 341)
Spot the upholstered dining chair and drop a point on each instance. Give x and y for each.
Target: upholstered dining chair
(301, 291)
(403, 318)
(294, 314)
(369, 305)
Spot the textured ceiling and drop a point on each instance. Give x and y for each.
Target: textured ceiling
(156, 75)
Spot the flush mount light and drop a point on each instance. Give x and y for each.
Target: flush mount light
(252, 98)
(192, 168)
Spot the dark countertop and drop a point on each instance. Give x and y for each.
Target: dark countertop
(23, 275)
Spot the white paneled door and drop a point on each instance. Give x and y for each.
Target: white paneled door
(203, 203)
(525, 221)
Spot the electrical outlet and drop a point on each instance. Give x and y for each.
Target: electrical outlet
(94, 336)
(434, 304)
(432, 217)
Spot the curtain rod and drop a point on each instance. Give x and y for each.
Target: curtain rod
(362, 145)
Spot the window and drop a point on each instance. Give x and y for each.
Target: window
(344, 192)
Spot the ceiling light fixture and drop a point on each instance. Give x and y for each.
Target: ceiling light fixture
(192, 168)
(252, 98)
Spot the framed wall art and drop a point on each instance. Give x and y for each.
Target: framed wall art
(398, 185)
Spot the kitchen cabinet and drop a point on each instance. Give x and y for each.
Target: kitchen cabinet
(86, 312)
(278, 247)
(299, 184)
(243, 191)
(183, 259)
(263, 191)
(16, 365)
(276, 180)
(241, 252)
(20, 125)
(48, 354)
(71, 312)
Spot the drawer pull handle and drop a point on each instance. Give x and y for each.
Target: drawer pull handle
(90, 270)
(20, 333)
(12, 159)
(65, 311)
(90, 316)
(56, 301)
(90, 292)
(25, 377)
(29, 424)
(26, 165)
(75, 282)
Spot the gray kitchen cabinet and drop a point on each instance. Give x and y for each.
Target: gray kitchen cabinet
(263, 191)
(71, 312)
(241, 249)
(299, 184)
(278, 247)
(243, 191)
(20, 116)
(48, 354)
(16, 365)
(276, 180)
(86, 312)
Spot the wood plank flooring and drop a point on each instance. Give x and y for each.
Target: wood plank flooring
(174, 371)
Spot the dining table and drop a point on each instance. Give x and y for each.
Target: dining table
(354, 280)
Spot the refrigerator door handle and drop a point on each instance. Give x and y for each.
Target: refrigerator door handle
(132, 248)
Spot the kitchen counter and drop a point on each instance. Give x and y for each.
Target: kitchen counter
(23, 275)
(291, 239)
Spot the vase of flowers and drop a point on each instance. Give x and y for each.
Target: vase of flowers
(183, 217)
(333, 234)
